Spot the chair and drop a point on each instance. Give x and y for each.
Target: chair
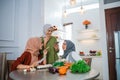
(9, 63)
(2, 66)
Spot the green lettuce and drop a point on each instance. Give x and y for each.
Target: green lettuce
(80, 67)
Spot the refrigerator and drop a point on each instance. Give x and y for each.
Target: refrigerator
(117, 50)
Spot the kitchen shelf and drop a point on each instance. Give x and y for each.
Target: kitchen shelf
(88, 30)
(95, 38)
(89, 34)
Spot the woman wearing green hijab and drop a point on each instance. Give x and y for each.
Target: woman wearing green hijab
(49, 42)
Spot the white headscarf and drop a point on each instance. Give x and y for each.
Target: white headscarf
(45, 28)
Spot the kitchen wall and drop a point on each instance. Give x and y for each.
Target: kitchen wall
(19, 20)
(53, 12)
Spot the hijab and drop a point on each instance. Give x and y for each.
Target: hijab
(33, 44)
(70, 47)
(45, 28)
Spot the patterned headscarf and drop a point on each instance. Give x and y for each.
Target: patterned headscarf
(70, 47)
(45, 28)
(33, 44)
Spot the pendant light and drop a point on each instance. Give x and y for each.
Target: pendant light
(82, 10)
(65, 12)
(72, 2)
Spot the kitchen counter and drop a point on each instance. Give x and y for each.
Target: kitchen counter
(44, 74)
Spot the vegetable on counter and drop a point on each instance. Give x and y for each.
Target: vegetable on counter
(62, 70)
(80, 67)
(53, 70)
(58, 64)
(60, 67)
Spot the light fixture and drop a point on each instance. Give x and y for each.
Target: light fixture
(81, 8)
(72, 2)
(65, 12)
(84, 8)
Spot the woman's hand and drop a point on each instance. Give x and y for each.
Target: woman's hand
(21, 66)
(34, 64)
(45, 51)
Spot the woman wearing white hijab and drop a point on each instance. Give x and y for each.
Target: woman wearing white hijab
(49, 42)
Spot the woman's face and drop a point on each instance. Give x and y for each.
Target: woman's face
(49, 31)
(64, 46)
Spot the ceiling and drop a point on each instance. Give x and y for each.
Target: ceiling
(78, 2)
(87, 1)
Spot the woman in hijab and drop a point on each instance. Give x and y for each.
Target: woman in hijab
(30, 56)
(69, 51)
(49, 42)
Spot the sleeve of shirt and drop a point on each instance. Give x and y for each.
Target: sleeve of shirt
(76, 56)
(23, 59)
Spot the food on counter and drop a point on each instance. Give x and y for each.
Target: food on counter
(67, 64)
(29, 70)
(81, 53)
(53, 70)
(80, 67)
(92, 51)
(92, 54)
(62, 70)
(58, 64)
(95, 53)
(32, 69)
(60, 67)
(98, 53)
